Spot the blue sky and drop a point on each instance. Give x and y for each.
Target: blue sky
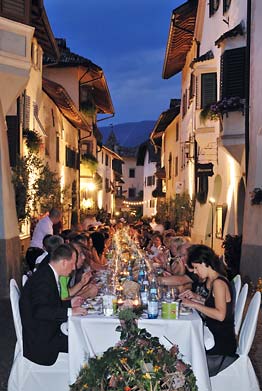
(127, 38)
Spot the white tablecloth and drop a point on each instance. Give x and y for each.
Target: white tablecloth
(93, 334)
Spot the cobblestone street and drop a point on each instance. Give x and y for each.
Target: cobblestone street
(7, 344)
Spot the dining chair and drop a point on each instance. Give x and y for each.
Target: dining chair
(236, 285)
(240, 375)
(24, 279)
(239, 308)
(26, 375)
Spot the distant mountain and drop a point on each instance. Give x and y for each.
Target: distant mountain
(129, 134)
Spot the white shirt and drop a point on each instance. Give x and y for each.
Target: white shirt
(43, 227)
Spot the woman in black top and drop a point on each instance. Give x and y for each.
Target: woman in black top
(217, 309)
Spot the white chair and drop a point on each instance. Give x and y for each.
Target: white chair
(24, 279)
(239, 308)
(240, 376)
(26, 375)
(236, 285)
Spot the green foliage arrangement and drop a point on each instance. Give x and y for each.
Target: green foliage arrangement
(39, 195)
(232, 250)
(256, 196)
(178, 210)
(137, 363)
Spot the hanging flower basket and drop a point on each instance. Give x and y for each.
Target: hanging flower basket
(215, 111)
(32, 140)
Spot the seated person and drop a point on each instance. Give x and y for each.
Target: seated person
(50, 243)
(155, 246)
(179, 276)
(42, 311)
(218, 308)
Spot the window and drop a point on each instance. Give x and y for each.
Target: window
(152, 203)
(177, 132)
(119, 191)
(107, 160)
(131, 192)
(192, 86)
(170, 166)
(176, 166)
(233, 73)
(131, 173)
(87, 147)
(53, 117)
(107, 186)
(102, 157)
(221, 212)
(150, 180)
(213, 6)
(208, 89)
(72, 158)
(226, 5)
(184, 104)
(57, 149)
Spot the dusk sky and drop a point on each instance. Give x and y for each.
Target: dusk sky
(127, 38)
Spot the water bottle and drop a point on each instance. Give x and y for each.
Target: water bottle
(152, 306)
(153, 286)
(130, 272)
(141, 273)
(144, 294)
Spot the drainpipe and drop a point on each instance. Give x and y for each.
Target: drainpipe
(247, 89)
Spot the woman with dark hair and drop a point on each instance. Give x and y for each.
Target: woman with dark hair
(217, 309)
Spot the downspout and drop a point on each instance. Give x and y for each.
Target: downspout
(247, 88)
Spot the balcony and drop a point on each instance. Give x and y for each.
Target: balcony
(15, 59)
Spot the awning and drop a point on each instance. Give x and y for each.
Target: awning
(204, 57)
(237, 30)
(180, 38)
(65, 104)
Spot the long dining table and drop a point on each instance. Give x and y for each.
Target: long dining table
(93, 334)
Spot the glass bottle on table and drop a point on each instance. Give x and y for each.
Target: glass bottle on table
(152, 306)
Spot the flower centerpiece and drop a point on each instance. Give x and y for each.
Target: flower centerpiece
(137, 363)
(214, 111)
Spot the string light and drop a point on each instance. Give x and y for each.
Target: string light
(135, 203)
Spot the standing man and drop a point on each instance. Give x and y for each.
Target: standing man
(43, 227)
(42, 310)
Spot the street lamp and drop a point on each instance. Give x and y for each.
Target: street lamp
(212, 203)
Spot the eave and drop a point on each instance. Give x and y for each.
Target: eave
(163, 122)
(180, 37)
(43, 31)
(65, 104)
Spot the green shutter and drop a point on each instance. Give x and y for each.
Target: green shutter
(233, 73)
(208, 89)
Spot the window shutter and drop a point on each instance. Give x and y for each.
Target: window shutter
(192, 86)
(208, 89)
(233, 73)
(197, 94)
(13, 138)
(27, 104)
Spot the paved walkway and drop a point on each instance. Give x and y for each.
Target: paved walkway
(7, 344)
